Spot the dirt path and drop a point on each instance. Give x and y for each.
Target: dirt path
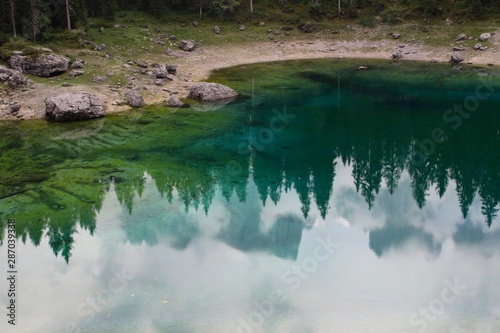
(197, 66)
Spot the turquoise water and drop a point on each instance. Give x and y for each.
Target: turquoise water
(324, 200)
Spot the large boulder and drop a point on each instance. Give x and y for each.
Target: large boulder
(135, 100)
(204, 91)
(74, 106)
(187, 45)
(45, 65)
(12, 77)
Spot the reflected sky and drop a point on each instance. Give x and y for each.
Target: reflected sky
(188, 271)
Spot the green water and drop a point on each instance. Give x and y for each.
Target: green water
(326, 199)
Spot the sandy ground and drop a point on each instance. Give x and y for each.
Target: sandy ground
(196, 66)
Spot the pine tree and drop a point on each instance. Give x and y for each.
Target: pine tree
(13, 17)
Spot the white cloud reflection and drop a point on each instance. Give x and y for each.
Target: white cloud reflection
(197, 272)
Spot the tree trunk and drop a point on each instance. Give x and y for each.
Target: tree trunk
(67, 15)
(201, 8)
(33, 19)
(339, 7)
(251, 6)
(13, 17)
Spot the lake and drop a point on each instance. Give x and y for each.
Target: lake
(325, 199)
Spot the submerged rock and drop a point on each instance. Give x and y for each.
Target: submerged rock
(204, 91)
(45, 65)
(74, 106)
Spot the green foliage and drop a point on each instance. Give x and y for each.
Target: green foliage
(390, 17)
(314, 7)
(3, 38)
(221, 7)
(18, 44)
(109, 9)
(368, 21)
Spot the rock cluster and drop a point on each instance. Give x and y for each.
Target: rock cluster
(12, 77)
(45, 65)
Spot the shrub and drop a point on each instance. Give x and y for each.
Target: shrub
(3, 38)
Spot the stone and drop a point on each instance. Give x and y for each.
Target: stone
(458, 48)
(362, 68)
(217, 29)
(196, 23)
(204, 91)
(397, 55)
(142, 64)
(76, 72)
(74, 106)
(159, 73)
(173, 101)
(426, 29)
(461, 37)
(98, 79)
(477, 46)
(433, 61)
(187, 45)
(45, 65)
(170, 77)
(308, 27)
(261, 24)
(456, 57)
(77, 64)
(396, 35)
(101, 29)
(241, 28)
(171, 69)
(159, 82)
(484, 37)
(100, 47)
(15, 107)
(134, 99)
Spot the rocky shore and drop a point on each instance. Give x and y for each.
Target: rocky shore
(168, 79)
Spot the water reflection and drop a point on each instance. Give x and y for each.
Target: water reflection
(57, 184)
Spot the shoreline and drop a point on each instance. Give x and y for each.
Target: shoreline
(196, 66)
